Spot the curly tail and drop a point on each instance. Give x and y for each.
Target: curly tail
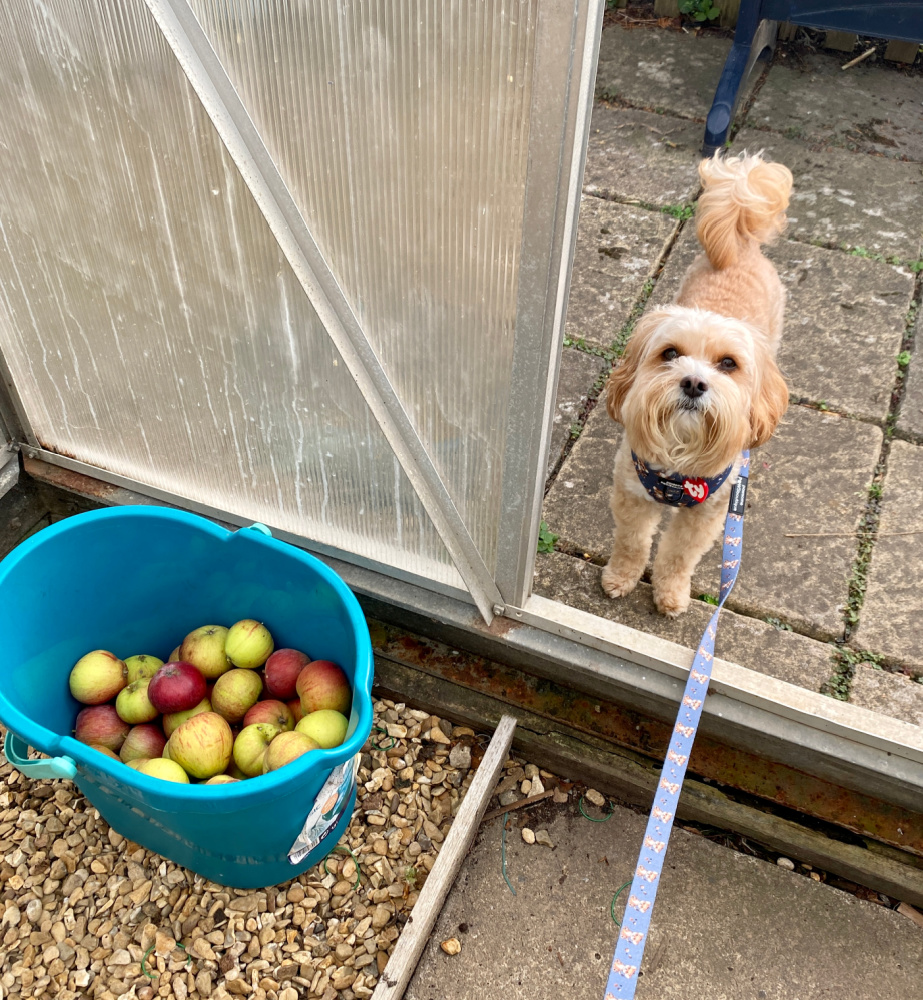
(744, 199)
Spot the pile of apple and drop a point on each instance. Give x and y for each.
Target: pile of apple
(200, 717)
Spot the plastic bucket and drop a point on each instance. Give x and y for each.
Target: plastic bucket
(136, 580)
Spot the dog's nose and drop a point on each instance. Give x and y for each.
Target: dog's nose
(693, 387)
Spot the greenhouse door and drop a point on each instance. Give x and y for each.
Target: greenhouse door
(299, 263)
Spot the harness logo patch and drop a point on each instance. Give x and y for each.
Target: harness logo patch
(695, 488)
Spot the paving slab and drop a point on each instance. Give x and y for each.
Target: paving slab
(750, 642)
(640, 156)
(869, 108)
(579, 374)
(841, 198)
(618, 249)
(668, 71)
(727, 926)
(812, 477)
(910, 415)
(845, 318)
(892, 615)
(896, 695)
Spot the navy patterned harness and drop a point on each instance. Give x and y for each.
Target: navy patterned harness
(676, 490)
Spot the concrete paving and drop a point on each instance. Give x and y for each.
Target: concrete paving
(893, 608)
(619, 248)
(871, 108)
(854, 141)
(579, 375)
(727, 926)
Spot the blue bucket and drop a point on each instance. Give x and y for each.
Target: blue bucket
(136, 580)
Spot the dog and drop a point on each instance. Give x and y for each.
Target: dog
(699, 383)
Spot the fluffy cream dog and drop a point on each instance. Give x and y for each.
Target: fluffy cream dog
(698, 384)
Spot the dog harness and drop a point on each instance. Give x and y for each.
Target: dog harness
(676, 490)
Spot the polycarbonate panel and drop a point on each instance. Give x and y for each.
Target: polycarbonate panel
(150, 322)
(401, 129)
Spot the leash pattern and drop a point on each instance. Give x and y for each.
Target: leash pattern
(629, 949)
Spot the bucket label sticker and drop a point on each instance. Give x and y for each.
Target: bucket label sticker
(327, 809)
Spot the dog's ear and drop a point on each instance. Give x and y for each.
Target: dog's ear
(769, 402)
(623, 375)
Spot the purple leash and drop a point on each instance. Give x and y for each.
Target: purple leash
(629, 950)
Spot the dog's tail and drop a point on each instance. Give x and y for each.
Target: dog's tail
(744, 200)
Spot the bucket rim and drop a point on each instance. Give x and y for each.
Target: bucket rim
(262, 786)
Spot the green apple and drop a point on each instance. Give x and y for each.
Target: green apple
(97, 677)
(202, 745)
(174, 720)
(133, 704)
(285, 748)
(326, 727)
(169, 770)
(235, 693)
(142, 666)
(248, 644)
(204, 649)
(250, 746)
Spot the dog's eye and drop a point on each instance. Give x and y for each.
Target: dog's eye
(727, 364)
(670, 354)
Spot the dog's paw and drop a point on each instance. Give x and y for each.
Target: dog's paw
(671, 600)
(617, 583)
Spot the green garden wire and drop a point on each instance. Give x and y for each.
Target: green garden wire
(144, 971)
(503, 855)
(618, 923)
(344, 849)
(379, 729)
(594, 819)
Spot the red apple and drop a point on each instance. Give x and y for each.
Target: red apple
(143, 742)
(235, 693)
(295, 706)
(248, 644)
(285, 748)
(97, 677)
(202, 745)
(142, 666)
(101, 726)
(275, 712)
(174, 720)
(282, 670)
(204, 648)
(176, 687)
(251, 745)
(133, 704)
(322, 684)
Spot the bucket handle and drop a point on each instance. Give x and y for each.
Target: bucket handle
(256, 526)
(16, 751)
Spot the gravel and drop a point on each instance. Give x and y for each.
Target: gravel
(80, 905)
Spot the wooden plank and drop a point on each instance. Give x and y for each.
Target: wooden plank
(787, 31)
(729, 11)
(904, 52)
(666, 8)
(842, 41)
(417, 930)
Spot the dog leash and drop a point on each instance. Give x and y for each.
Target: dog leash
(629, 949)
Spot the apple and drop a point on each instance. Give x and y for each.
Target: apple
(133, 704)
(168, 770)
(325, 726)
(322, 684)
(204, 648)
(106, 751)
(142, 666)
(97, 677)
(233, 771)
(282, 670)
(248, 644)
(202, 745)
(172, 721)
(251, 745)
(166, 751)
(144, 741)
(235, 693)
(174, 656)
(285, 748)
(221, 779)
(176, 687)
(100, 725)
(275, 712)
(135, 764)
